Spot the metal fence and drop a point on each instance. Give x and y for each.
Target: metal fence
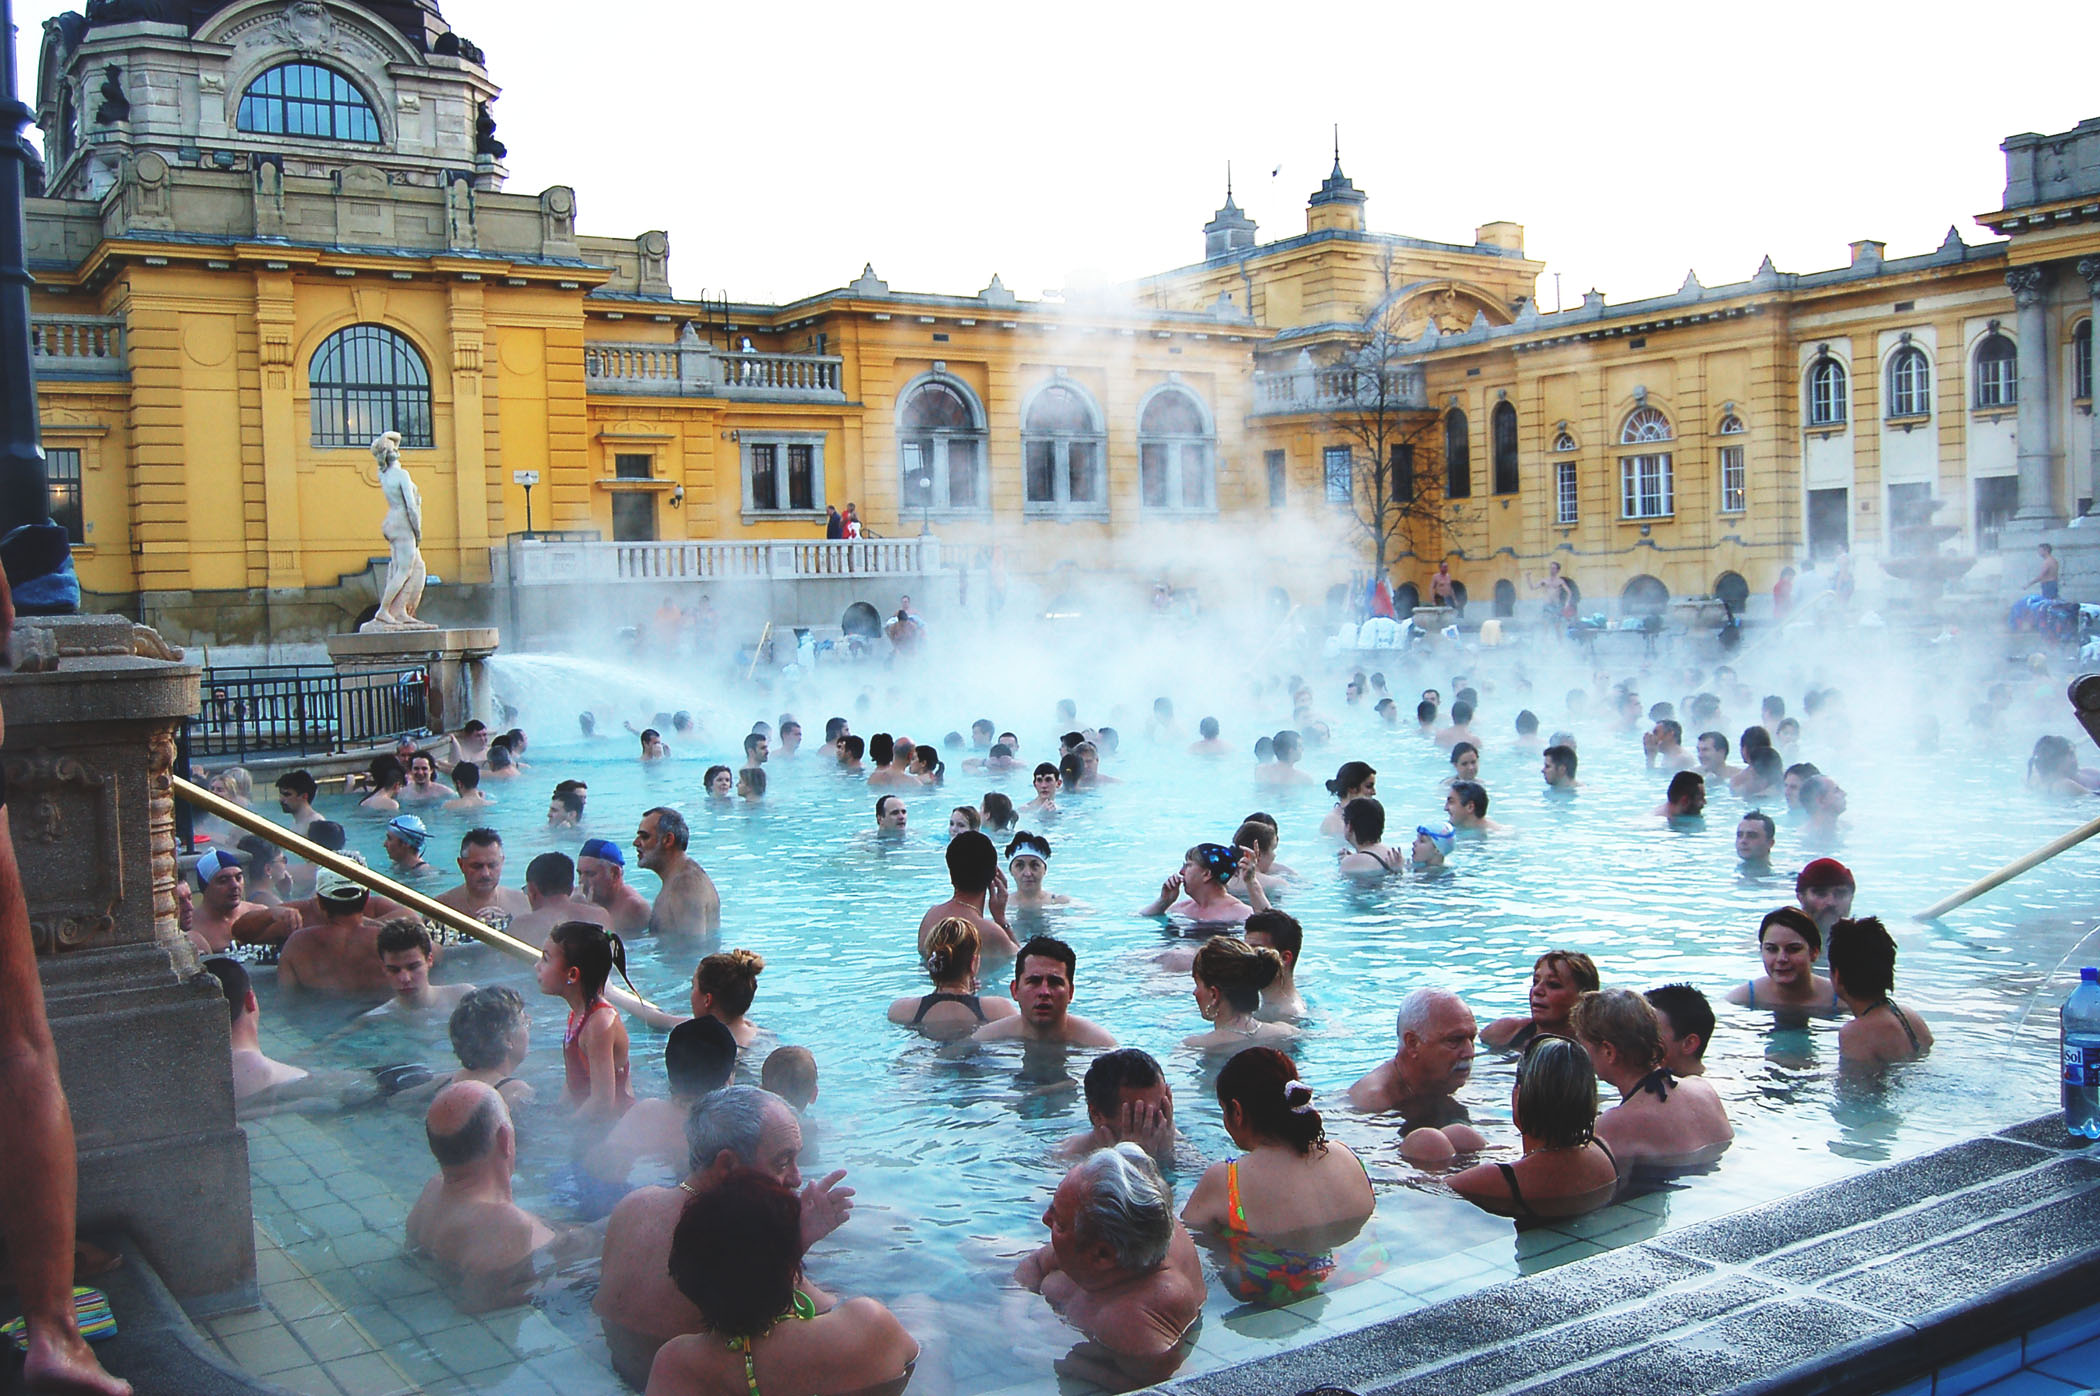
(305, 710)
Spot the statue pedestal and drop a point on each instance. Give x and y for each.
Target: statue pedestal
(455, 660)
(141, 1036)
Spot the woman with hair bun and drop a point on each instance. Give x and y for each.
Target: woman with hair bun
(1289, 1181)
(954, 1009)
(1354, 781)
(723, 986)
(1566, 1170)
(1229, 976)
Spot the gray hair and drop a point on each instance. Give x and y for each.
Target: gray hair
(671, 825)
(732, 1118)
(1416, 1008)
(1127, 1205)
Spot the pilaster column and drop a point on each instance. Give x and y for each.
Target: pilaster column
(275, 329)
(2041, 491)
(2089, 268)
(468, 329)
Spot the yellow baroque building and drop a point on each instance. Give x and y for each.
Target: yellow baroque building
(271, 230)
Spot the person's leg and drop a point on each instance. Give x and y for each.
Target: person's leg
(37, 1187)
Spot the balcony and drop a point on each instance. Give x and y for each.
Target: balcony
(1338, 390)
(566, 562)
(76, 346)
(690, 368)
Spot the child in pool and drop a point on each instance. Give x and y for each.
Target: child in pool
(574, 965)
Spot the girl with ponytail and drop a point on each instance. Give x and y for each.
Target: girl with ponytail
(575, 964)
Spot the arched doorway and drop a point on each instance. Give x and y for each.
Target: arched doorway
(1505, 597)
(1731, 587)
(1644, 596)
(1458, 594)
(862, 620)
(1406, 597)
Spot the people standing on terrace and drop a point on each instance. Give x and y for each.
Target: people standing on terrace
(688, 903)
(1662, 1120)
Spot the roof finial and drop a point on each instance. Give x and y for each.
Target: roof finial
(1228, 181)
(1337, 145)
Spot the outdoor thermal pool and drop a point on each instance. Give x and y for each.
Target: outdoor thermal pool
(951, 1156)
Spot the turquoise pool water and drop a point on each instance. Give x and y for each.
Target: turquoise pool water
(951, 1156)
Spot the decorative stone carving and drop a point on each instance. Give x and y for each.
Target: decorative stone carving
(269, 196)
(68, 812)
(655, 249)
(459, 214)
(485, 142)
(403, 531)
(115, 106)
(558, 221)
(2029, 285)
(2089, 268)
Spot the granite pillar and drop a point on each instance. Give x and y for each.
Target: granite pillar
(456, 661)
(93, 707)
(2041, 488)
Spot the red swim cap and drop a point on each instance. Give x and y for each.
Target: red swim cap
(1824, 872)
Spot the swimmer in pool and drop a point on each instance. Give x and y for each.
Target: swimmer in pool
(1467, 806)
(653, 747)
(1286, 746)
(254, 1073)
(406, 952)
(1863, 971)
(1356, 780)
(719, 782)
(1229, 976)
(1128, 1100)
(601, 870)
(1259, 833)
(954, 1009)
(550, 893)
(699, 1059)
(1433, 843)
(1662, 746)
(1465, 764)
(1045, 972)
(1557, 766)
(688, 903)
(491, 1035)
(481, 893)
(1271, 929)
(1662, 1120)
(1685, 800)
(1558, 979)
(1367, 858)
(1824, 890)
(1789, 941)
(1755, 833)
(1208, 742)
(1046, 781)
(977, 894)
(1028, 862)
(1197, 892)
(1686, 1021)
(1421, 1080)
(1565, 1169)
(1822, 802)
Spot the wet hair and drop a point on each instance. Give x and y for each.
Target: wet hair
(2052, 756)
(1562, 756)
(1111, 739)
(1765, 761)
(1208, 729)
(1127, 1207)
(1043, 768)
(234, 983)
(1112, 1073)
(1350, 776)
(588, 721)
(387, 771)
(998, 811)
(1287, 745)
(982, 724)
(731, 978)
(1556, 1097)
(1264, 817)
(1771, 829)
(1572, 963)
(594, 953)
(483, 1024)
(1673, 727)
(732, 1119)
(1797, 921)
(951, 947)
(403, 933)
(671, 825)
(1273, 1102)
(881, 800)
(1683, 784)
(1773, 706)
(1805, 769)
(328, 834)
(473, 1139)
(1282, 929)
(500, 758)
(1527, 722)
(1663, 712)
(515, 739)
(466, 775)
(833, 726)
(570, 799)
(1071, 770)
(973, 860)
(1255, 834)
(853, 746)
(1815, 790)
(753, 742)
(1425, 711)
(1622, 1020)
(970, 815)
(1464, 693)
(1264, 748)
(1753, 740)
(1364, 819)
(1071, 741)
(753, 779)
(1459, 749)
(736, 1252)
(1048, 948)
(300, 783)
(1385, 708)
(1863, 957)
(552, 874)
(1237, 970)
(882, 748)
(260, 852)
(650, 734)
(791, 1074)
(1687, 1011)
(699, 1056)
(1720, 741)
(479, 837)
(1461, 712)
(1471, 792)
(707, 781)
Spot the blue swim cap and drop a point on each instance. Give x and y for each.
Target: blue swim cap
(1442, 835)
(604, 849)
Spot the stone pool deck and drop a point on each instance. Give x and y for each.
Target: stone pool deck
(1970, 1269)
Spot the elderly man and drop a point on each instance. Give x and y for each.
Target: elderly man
(481, 893)
(688, 903)
(1120, 1268)
(1824, 890)
(601, 868)
(494, 1250)
(1433, 1061)
(550, 889)
(737, 1127)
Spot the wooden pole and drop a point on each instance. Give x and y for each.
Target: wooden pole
(427, 907)
(758, 649)
(2010, 871)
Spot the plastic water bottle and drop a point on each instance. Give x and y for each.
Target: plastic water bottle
(2081, 1042)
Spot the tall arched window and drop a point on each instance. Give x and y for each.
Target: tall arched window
(940, 447)
(2082, 360)
(1910, 383)
(1175, 453)
(365, 380)
(1502, 432)
(1997, 372)
(1062, 444)
(1458, 456)
(1826, 392)
(1734, 474)
(305, 99)
(1647, 483)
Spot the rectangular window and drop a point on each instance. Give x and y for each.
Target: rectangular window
(1152, 475)
(962, 474)
(1040, 464)
(1340, 474)
(1195, 477)
(1646, 488)
(1997, 499)
(915, 459)
(801, 475)
(633, 467)
(1732, 480)
(1403, 472)
(1279, 476)
(786, 476)
(765, 476)
(62, 472)
(1910, 505)
(634, 516)
(1566, 502)
(1085, 471)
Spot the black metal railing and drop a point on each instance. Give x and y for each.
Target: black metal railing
(305, 710)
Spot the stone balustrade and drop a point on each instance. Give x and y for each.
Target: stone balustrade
(68, 346)
(692, 369)
(1337, 390)
(537, 562)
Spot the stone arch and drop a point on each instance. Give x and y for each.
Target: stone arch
(862, 620)
(1505, 597)
(1644, 595)
(1448, 302)
(1406, 597)
(1731, 587)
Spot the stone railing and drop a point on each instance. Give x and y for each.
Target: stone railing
(1338, 390)
(692, 369)
(65, 346)
(540, 562)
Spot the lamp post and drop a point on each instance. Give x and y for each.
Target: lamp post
(923, 486)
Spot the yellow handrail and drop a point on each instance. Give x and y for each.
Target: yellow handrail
(2011, 870)
(758, 649)
(427, 907)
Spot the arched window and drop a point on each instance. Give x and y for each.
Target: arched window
(1175, 451)
(1826, 392)
(305, 99)
(1564, 441)
(1997, 372)
(1502, 433)
(940, 447)
(1734, 491)
(1910, 383)
(1458, 456)
(366, 380)
(2082, 360)
(1062, 444)
(1647, 479)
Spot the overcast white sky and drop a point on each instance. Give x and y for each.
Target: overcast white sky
(783, 145)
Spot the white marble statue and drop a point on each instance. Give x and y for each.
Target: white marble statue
(403, 531)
